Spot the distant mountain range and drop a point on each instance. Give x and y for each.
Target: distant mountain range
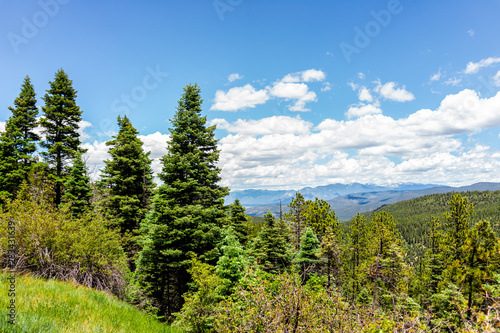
(346, 200)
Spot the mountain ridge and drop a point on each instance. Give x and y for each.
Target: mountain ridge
(348, 205)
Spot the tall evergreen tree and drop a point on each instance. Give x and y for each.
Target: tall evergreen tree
(60, 124)
(127, 178)
(295, 218)
(357, 253)
(18, 141)
(307, 258)
(270, 247)
(482, 259)
(320, 217)
(331, 254)
(78, 191)
(188, 209)
(238, 220)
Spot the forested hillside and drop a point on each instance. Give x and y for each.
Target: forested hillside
(414, 216)
(180, 253)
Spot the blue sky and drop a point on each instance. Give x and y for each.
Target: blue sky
(304, 93)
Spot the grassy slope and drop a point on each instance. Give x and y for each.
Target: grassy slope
(54, 306)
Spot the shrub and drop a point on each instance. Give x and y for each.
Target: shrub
(52, 244)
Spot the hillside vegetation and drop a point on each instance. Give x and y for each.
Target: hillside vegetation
(54, 306)
(413, 216)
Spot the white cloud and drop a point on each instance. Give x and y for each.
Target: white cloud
(470, 32)
(265, 126)
(361, 76)
(309, 75)
(2, 126)
(474, 67)
(252, 157)
(390, 92)
(364, 95)
(362, 110)
(496, 79)
(234, 76)
(298, 91)
(437, 76)
(453, 81)
(239, 98)
(327, 86)
(82, 125)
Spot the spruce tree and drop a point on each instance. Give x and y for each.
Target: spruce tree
(270, 248)
(78, 191)
(127, 178)
(18, 141)
(231, 265)
(307, 258)
(188, 209)
(60, 124)
(238, 220)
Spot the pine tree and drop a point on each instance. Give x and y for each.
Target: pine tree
(127, 178)
(78, 191)
(457, 225)
(357, 253)
(188, 209)
(319, 216)
(482, 254)
(18, 141)
(60, 124)
(270, 247)
(238, 220)
(307, 258)
(331, 255)
(295, 218)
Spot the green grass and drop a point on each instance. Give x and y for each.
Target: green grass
(55, 306)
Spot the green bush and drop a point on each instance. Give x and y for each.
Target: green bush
(50, 243)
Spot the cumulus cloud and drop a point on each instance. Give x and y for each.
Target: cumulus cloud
(234, 76)
(360, 149)
(265, 126)
(309, 75)
(297, 91)
(292, 86)
(82, 125)
(362, 109)
(474, 67)
(2, 126)
(390, 92)
(364, 95)
(239, 98)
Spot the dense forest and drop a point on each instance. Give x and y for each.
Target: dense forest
(178, 252)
